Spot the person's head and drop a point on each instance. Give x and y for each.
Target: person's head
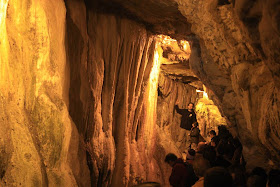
(274, 178)
(217, 177)
(212, 133)
(170, 159)
(214, 141)
(200, 147)
(190, 106)
(195, 124)
(190, 154)
(200, 166)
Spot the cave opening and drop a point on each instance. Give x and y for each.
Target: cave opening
(88, 87)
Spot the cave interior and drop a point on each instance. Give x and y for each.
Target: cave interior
(88, 87)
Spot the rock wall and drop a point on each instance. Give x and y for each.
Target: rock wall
(237, 60)
(36, 129)
(113, 93)
(208, 117)
(78, 97)
(168, 119)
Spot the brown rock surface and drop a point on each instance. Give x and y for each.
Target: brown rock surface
(36, 129)
(234, 60)
(84, 101)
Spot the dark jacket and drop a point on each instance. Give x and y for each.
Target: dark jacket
(188, 118)
(194, 135)
(182, 174)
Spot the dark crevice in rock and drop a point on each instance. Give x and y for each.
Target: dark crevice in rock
(224, 2)
(75, 106)
(90, 166)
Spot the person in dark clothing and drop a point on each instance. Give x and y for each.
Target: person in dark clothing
(188, 116)
(209, 154)
(212, 134)
(237, 153)
(194, 135)
(223, 133)
(221, 159)
(182, 174)
(217, 177)
(274, 178)
(214, 141)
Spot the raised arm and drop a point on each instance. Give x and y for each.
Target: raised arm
(180, 111)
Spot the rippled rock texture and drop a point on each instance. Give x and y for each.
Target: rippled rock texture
(38, 138)
(237, 60)
(78, 98)
(84, 102)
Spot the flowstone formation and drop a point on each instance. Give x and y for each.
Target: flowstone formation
(88, 88)
(36, 129)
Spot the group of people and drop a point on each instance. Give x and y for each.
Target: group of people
(217, 163)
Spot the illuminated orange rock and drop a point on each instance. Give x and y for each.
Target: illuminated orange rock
(36, 129)
(85, 102)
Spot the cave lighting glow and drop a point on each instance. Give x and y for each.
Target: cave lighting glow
(151, 93)
(3, 8)
(153, 82)
(166, 39)
(205, 95)
(186, 45)
(3, 42)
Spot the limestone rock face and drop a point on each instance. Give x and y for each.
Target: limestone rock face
(237, 60)
(113, 95)
(77, 92)
(171, 92)
(234, 54)
(84, 101)
(36, 129)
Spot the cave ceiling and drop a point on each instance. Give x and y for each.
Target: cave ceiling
(159, 17)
